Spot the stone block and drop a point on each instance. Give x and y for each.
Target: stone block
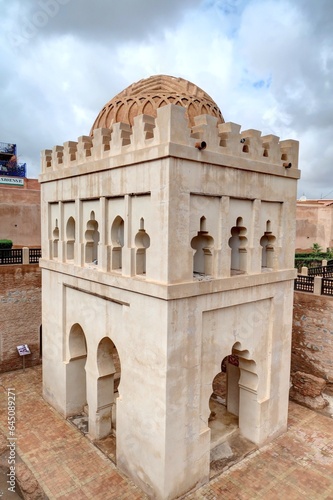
(307, 384)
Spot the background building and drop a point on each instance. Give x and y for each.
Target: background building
(19, 201)
(314, 224)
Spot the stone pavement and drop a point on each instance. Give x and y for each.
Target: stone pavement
(297, 465)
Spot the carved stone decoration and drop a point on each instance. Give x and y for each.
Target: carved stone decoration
(149, 94)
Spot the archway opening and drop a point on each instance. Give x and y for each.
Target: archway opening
(117, 242)
(92, 240)
(224, 401)
(109, 371)
(70, 238)
(76, 380)
(142, 243)
(231, 411)
(267, 243)
(238, 244)
(203, 245)
(55, 240)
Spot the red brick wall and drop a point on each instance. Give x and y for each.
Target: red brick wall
(20, 214)
(312, 339)
(20, 314)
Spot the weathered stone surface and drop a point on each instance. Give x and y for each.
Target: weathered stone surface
(28, 484)
(312, 346)
(307, 390)
(308, 385)
(315, 403)
(3, 443)
(21, 315)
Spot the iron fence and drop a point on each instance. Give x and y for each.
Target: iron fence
(17, 256)
(34, 255)
(327, 286)
(11, 256)
(304, 284)
(324, 271)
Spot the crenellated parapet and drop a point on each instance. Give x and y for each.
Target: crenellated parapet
(171, 127)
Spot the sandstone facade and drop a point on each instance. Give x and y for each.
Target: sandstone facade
(312, 346)
(174, 247)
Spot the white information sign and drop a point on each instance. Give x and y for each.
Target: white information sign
(13, 181)
(23, 350)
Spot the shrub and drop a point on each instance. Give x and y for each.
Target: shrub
(6, 244)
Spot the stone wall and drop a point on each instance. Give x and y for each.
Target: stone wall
(20, 314)
(314, 224)
(312, 338)
(20, 214)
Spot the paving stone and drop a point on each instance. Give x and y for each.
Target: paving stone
(296, 465)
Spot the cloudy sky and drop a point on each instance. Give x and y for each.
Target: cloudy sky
(268, 64)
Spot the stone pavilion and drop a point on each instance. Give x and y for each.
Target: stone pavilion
(168, 250)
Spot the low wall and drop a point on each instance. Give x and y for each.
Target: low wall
(20, 314)
(312, 338)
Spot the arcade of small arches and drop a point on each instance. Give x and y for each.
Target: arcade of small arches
(202, 245)
(224, 398)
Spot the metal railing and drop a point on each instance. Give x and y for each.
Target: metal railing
(16, 170)
(34, 255)
(304, 284)
(324, 271)
(23, 255)
(327, 286)
(318, 280)
(11, 256)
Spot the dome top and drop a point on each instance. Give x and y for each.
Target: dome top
(149, 94)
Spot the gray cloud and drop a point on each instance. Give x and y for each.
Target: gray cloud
(97, 21)
(267, 63)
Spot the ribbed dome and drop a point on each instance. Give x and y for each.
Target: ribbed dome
(146, 96)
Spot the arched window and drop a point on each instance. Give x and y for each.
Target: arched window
(267, 242)
(142, 242)
(70, 238)
(117, 241)
(238, 243)
(55, 240)
(203, 245)
(77, 342)
(92, 239)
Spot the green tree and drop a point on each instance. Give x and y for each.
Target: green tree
(316, 249)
